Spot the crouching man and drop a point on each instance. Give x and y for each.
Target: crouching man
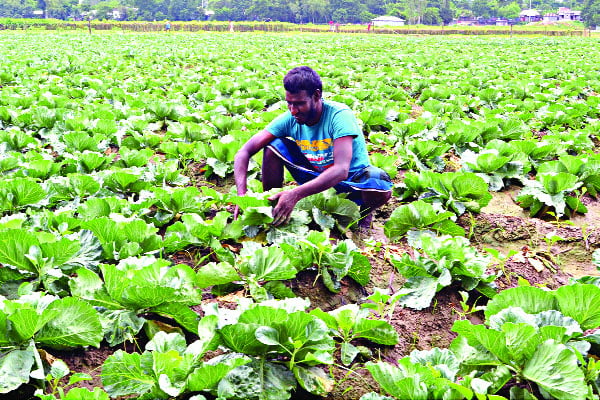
(322, 146)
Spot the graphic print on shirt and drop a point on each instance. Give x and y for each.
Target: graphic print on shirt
(316, 142)
(318, 152)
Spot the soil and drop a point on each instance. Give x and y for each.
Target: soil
(536, 258)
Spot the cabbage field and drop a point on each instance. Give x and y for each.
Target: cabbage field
(124, 274)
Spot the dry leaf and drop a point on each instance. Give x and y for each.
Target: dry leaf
(537, 264)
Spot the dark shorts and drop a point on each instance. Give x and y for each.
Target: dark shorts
(368, 179)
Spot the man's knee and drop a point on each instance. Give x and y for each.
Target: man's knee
(272, 170)
(373, 199)
(269, 155)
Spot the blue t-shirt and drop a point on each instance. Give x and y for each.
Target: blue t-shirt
(316, 142)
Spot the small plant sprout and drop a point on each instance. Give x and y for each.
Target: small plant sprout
(501, 260)
(591, 371)
(551, 239)
(372, 245)
(383, 303)
(472, 225)
(560, 223)
(585, 235)
(414, 341)
(58, 371)
(466, 308)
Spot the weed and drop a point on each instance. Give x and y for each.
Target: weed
(434, 307)
(501, 260)
(54, 380)
(585, 234)
(383, 303)
(372, 246)
(551, 239)
(466, 308)
(352, 374)
(414, 341)
(559, 223)
(437, 341)
(591, 371)
(472, 224)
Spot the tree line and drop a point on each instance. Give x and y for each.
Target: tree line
(428, 12)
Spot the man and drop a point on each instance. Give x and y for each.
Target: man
(327, 149)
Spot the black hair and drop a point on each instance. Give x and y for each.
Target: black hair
(302, 78)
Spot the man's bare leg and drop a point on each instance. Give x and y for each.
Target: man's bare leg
(371, 201)
(272, 170)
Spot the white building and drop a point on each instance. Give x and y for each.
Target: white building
(566, 14)
(530, 15)
(387, 20)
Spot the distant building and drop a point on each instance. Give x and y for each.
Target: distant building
(501, 22)
(566, 14)
(530, 15)
(464, 21)
(550, 17)
(387, 20)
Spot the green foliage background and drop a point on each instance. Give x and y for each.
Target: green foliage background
(428, 12)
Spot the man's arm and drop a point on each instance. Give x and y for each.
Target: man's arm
(342, 156)
(242, 158)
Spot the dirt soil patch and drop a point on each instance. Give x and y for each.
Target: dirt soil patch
(561, 245)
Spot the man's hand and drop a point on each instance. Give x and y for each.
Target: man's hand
(236, 209)
(285, 205)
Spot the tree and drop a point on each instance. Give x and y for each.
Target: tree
(591, 13)
(183, 10)
(149, 10)
(317, 10)
(444, 14)
(485, 8)
(236, 10)
(376, 7)
(397, 10)
(17, 8)
(298, 11)
(61, 9)
(510, 11)
(346, 10)
(431, 16)
(104, 9)
(414, 11)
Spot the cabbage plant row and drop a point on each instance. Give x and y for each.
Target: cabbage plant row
(115, 153)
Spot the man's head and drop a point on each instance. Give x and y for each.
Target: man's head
(302, 78)
(303, 89)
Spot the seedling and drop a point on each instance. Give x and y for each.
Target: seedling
(585, 234)
(55, 387)
(414, 341)
(466, 308)
(501, 260)
(551, 239)
(383, 303)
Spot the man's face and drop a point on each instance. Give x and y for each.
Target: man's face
(304, 108)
